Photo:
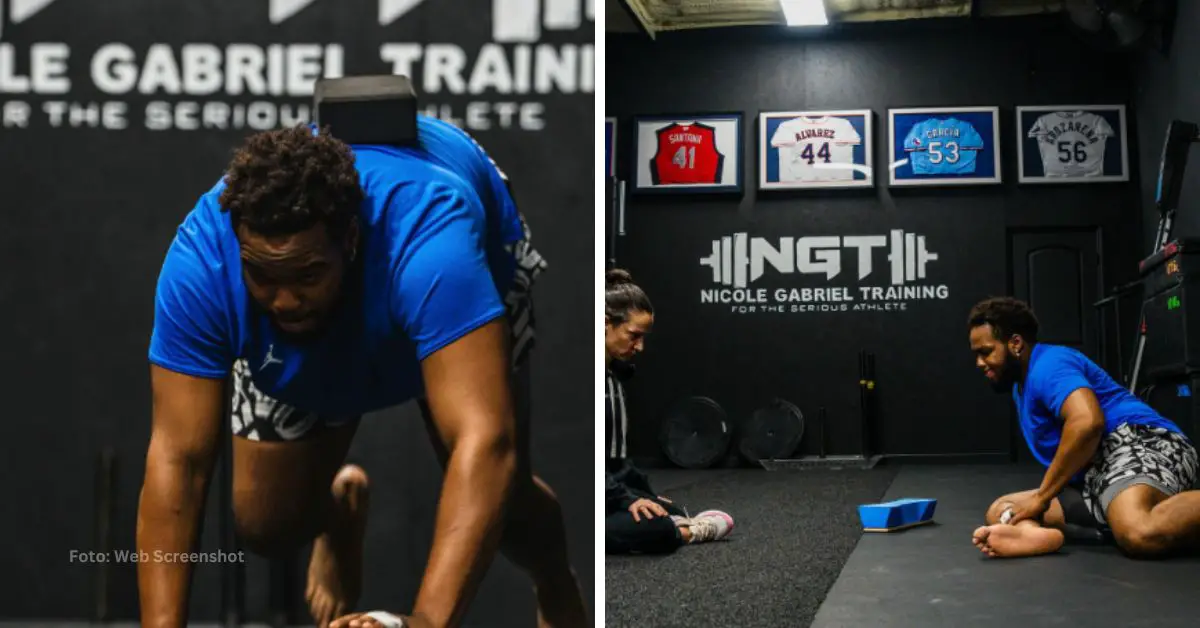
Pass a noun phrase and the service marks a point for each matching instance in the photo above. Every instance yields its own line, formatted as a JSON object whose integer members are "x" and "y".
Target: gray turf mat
{"x": 933, "y": 575}
{"x": 794, "y": 530}
{"x": 672, "y": 480}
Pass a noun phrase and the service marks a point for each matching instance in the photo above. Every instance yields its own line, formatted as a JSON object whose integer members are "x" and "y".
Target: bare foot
{"x": 335, "y": 570}
{"x": 1007, "y": 541}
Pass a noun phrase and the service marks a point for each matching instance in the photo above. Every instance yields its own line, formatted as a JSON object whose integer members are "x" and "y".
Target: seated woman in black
{"x": 636, "y": 519}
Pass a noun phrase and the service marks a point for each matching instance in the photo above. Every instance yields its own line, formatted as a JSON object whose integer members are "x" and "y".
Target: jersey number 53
{"x": 949, "y": 155}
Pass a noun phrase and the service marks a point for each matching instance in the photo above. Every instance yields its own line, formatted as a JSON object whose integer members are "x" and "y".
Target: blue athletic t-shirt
{"x": 436, "y": 221}
{"x": 1054, "y": 373}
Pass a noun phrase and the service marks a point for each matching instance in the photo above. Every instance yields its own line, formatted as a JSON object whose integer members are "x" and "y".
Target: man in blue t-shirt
{"x": 1114, "y": 465}
{"x": 328, "y": 281}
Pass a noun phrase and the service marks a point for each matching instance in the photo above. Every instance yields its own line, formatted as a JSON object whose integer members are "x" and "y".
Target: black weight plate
{"x": 773, "y": 432}
{"x": 695, "y": 433}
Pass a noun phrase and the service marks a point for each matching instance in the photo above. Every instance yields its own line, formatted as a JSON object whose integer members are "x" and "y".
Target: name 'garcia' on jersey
{"x": 943, "y": 131}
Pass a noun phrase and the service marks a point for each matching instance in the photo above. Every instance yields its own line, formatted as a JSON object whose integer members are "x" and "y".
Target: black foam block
{"x": 379, "y": 109}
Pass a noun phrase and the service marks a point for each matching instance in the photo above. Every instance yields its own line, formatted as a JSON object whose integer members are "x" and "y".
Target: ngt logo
{"x": 18, "y": 11}
{"x": 513, "y": 21}
{"x": 738, "y": 260}
{"x": 495, "y": 83}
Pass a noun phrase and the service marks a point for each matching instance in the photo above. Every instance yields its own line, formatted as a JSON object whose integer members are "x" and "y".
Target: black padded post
{"x": 106, "y": 480}
{"x": 1180, "y": 136}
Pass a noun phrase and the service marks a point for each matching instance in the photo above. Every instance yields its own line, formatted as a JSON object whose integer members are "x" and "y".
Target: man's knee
{"x": 544, "y": 491}
{"x": 532, "y": 498}
{"x": 271, "y": 529}
{"x": 996, "y": 510}
{"x": 534, "y": 533}
{"x": 1142, "y": 539}
{"x": 351, "y": 486}
{"x": 270, "y": 526}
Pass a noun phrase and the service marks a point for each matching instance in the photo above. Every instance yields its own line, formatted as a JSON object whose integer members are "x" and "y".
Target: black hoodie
{"x": 622, "y": 479}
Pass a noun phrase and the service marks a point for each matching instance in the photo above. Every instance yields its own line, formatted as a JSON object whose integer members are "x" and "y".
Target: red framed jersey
{"x": 686, "y": 154}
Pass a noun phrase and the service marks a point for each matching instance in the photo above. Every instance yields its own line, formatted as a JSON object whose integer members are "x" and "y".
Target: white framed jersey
{"x": 1072, "y": 143}
{"x": 829, "y": 149}
{"x": 812, "y": 148}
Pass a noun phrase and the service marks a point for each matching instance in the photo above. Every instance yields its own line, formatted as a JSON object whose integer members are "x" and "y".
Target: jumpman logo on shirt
{"x": 270, "y": 359}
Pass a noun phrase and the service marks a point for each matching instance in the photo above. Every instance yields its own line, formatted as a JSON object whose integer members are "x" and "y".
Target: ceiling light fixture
{"x": 804, "y": 12}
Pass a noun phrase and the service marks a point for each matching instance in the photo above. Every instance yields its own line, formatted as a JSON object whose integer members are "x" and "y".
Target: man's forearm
{"x": 479, "y": 477}
{"x": 172, "y": 501}
{"x": 1080, "y": 440}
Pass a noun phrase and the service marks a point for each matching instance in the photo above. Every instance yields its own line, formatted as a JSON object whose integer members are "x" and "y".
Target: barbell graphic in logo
{"x": 513, "y": 21}
{"x": 738, "y": 260}
{"x": 17, "y": 11}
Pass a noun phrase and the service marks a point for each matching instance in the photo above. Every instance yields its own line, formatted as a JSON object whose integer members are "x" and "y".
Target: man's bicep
{"x": 443, "y": 286}
{"x": 1060, "y": 381}
{"x": 1054, "y": 392}
{"x": 187, "y": 413}
{"x": 467, "y": 386}
{"x": 1082, "y": 406}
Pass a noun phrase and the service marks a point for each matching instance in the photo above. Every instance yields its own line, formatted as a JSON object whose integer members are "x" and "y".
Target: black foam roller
{"x": 377, "y": 109}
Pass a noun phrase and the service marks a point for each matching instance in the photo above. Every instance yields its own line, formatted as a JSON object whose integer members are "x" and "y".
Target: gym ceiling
{"x": 656, "y": 16}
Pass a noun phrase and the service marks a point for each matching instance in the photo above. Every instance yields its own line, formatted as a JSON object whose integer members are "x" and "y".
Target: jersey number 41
{"x": 685, "y": 157}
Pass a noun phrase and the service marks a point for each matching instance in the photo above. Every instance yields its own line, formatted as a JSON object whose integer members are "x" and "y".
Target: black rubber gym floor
{"x": 798, "y": 558}
{"x": 934, "y": 576}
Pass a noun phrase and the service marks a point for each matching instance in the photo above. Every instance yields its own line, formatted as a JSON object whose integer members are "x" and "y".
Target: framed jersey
{"x": 1072, "y": 144}
{"x": 688, "y": 153}
{"x": 610, "y": 148}
{"x": 944, "y": 146}
{"x": 814, "y": 149}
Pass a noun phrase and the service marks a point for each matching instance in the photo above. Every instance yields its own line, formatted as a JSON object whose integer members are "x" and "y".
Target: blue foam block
{"x": 898, "y": 514}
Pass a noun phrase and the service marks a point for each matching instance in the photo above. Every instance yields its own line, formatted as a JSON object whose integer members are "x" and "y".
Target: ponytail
{"x": 622, "y": 297}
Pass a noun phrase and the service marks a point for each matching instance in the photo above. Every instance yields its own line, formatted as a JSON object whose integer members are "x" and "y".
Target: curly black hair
{"x": 1007, "y": 316}
{"x": 289, "y": 180}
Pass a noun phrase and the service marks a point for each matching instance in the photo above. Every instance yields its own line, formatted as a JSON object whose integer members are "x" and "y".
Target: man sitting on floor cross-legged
{"x": 1113, "y": 463}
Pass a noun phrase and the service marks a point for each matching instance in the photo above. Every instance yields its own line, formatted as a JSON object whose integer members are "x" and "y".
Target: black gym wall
{"x": 1167, "y": 90}
{"x": 932, "y": 399}
{"x": 93, "y": 194}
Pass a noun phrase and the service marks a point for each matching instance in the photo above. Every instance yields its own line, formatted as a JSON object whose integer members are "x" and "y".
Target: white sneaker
{"x": 710, "y": 525}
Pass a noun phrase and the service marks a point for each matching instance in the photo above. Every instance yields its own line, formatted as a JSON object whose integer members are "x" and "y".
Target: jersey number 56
{"x": 1066, "y": 151}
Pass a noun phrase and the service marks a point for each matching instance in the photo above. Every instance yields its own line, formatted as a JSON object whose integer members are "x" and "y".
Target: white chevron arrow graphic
{"x": 392, "y": 10}
{"x": 21, "y": 10}
{"x": 282, "y": 10}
